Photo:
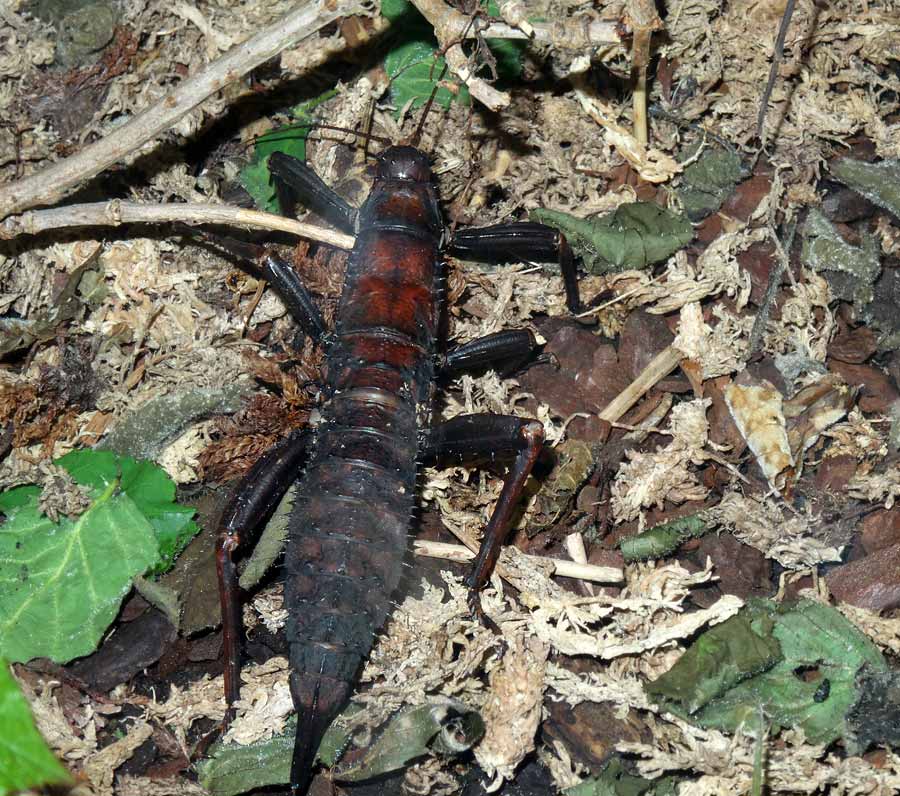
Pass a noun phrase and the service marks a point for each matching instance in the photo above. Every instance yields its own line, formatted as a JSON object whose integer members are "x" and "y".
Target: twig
{"x": 642, "y": 17}
{"x": 659, "y": 367}
{"x": 55, "y": 182}
{"x": 565, "y": 569}
{"x": 777, "y": 57}
{"x": 576, "y": 551}
{"x": 449, "y": 36}
{"x": 116, "y": 212}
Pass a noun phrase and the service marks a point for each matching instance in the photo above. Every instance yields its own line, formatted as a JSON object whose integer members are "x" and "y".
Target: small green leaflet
{"x": 632, "y": 236}
{"x": 414, "y": 69}
{"x": 291, "y": 140}
{"x": 662, "y": 540}
{"x": 25, "y": 761}
{"x": 61, "y": 584}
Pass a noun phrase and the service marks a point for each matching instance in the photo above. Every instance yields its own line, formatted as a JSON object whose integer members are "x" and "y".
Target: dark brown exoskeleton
{"x": 357, "y": 468}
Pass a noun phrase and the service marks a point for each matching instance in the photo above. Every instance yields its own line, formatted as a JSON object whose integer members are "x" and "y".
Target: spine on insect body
{"x": 351, "y": 516}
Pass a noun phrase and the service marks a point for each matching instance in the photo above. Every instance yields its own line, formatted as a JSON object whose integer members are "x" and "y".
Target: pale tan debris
{"x": 648, "y": 479}
{"x": 512, "y": 709}
{"x": 758, "y": 414}
{"x": 100, "y": 767}
{"x": 788, "y": 537}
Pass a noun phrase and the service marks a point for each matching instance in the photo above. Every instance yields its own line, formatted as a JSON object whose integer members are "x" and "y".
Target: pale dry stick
{"x": 457, "y": 63}
{"x": 116, "y": 212}
{"x": 658, "y": 368}
{"x": 576, "y": 551}
{"x": 641, "y": 16}
{"x": 565, "y": 569}
{"x": 60, "y": 179}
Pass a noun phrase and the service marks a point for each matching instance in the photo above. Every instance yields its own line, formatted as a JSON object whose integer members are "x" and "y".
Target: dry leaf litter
{"x": 164, "y": 316}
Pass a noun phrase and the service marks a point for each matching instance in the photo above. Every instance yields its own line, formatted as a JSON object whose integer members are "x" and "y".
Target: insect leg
{"x": 521, "y": 241}
{"x": 308, "y": 187}
{"x": 282, "y": 277}
{"x": 257, "y": 495}
{"x": 512, "y": 347}
{"x": 486, "y": 436}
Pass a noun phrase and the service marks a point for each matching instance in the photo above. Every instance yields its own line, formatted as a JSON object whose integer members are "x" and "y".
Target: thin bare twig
{"x": 116, "y": 212}
{"x": 451, "y": 26}
{"x": 55, "y": 182}
{"x": 642, "y": 17}
{"x": 777, "y": 57}
{"x": 658, "y": 368}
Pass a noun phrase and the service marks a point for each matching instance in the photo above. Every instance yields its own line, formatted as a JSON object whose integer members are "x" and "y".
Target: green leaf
{"x": 813, "y": 684}
{"x": 508, "y": 52}
{"x": 446, "y": 727}
{"x": 152, "y": 491}
{"x": 662, "y": 540}
{"x": 25, "y": 761}
{"x": 878, "y": 182}
{"x": 143, "y": 432}
{"x": 415, "y": 68}
{"x": 632, "y": 236}
{"x": 722, "y": 657}
{"x": 851, "y": 271}
{"x": 290, "y": 140}
{"x": 396, "y": 9}
{"x": 61, "y": 584}
{"x": 709, "y": 181}
{"x": 233, "y": 769}
{"x": 410, "y": 735}
{"x": 255, "y": 176}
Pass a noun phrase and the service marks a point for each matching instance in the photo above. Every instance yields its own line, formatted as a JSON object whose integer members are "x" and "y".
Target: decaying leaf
{"x": 851, "y": 270}
{"x": 779, "y": 432}
{"x": 753, "y": 660}
{"x": 632, "y": 236}
{"x": 757, "y": 412}
{"x": 878, "y": 182}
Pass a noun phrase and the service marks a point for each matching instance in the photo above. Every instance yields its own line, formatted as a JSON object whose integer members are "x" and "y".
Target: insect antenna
{"x": 418, "y": 133}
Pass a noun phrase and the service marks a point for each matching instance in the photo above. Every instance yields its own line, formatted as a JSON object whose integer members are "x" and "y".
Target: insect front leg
{"x": 258, "y": 494}
{"x": 486, "y": 437}
{"x": 521, "y": 241}
{"x": 302, "y": 183}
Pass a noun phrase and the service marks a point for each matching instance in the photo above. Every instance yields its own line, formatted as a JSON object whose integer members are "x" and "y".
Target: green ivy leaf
{"x": 152, "y": 491}
{"x": 25, "y": 761}
{"x": 415, "y": 68}
{"x": 801, "y": 663}
{"x": 290, "y": 140}
{"x": 61, "y": 584}
{"x": 632, "y": 236}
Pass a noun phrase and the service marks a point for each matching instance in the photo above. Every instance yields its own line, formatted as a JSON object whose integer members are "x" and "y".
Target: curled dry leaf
{"x": 779, "y": 432}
